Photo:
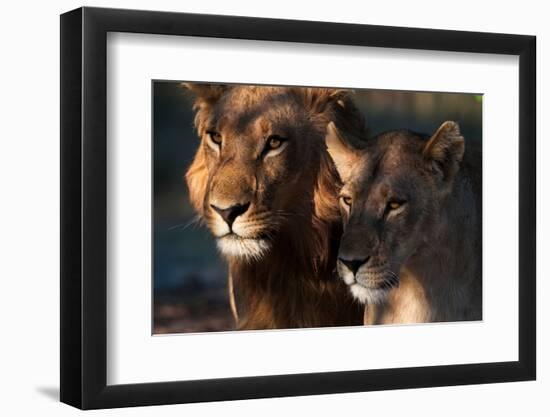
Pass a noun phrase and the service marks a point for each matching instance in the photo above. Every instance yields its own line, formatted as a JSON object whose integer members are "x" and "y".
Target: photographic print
{"x": 283, "y": 207}
{"x": 289, "y": 214}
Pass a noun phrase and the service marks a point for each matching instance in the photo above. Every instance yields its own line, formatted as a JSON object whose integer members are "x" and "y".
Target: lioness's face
{"x": 258, "y": 152}
{"x": 391, "y": 195}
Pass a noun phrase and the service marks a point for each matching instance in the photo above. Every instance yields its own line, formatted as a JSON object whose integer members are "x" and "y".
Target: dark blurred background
{"x": 190, "y": 286}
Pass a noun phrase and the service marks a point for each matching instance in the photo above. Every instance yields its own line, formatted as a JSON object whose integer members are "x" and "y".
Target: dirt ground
{"x": 177, "y": 313}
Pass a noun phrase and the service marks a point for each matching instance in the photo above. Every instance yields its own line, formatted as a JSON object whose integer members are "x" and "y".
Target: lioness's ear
{"x": 341, "y": 152}
{"x": 445, "y": 150}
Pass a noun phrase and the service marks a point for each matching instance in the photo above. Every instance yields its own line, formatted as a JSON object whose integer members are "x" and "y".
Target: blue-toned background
{"x": 189, "y": 277}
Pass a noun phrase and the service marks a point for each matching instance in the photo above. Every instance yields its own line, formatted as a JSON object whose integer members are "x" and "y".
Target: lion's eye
{"x": 274, "y": 145}
{"x": 346, "y": 200}
{"x": 215, "y": 137}
{"x": 274, "y": 142}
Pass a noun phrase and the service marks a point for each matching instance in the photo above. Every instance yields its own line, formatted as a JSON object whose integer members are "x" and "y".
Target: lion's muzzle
{"x": 229, "y": 214}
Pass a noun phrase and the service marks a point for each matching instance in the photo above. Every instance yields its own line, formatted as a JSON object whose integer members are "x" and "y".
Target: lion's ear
{"x": 206, "y": 93}
{"x": 445, "y": 150}
{"x": 206, "y": 97}
{"x": 335, "y": 105}
{"x": 341, "y": 152}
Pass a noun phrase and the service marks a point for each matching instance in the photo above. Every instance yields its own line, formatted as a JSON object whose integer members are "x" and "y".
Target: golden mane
{"x": 294, "y": 285}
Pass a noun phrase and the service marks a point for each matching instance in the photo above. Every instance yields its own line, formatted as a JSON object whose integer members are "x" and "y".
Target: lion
{"x": 264, "y": 184}
{"x": 411, "y": 204}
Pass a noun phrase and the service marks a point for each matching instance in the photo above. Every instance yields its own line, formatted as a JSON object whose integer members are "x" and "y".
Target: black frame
{"x": 83, "y": 207}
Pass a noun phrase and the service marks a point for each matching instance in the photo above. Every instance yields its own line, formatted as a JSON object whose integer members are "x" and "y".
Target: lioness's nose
{"x": 229, "y": 214}
{"x": 354, "y": 264}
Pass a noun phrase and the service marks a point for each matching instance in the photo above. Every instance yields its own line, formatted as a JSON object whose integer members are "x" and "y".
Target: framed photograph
{"x": 258, "y": 208}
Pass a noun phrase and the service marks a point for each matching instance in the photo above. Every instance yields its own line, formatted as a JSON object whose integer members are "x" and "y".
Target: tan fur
{"x": 408, "y": 304}
{"x": 421, "y": 260}
{"x": 281, "y": 252}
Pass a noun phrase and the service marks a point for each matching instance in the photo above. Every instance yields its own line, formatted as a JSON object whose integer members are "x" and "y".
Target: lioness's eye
{"x": 394, "y": 205}
{"x": 215, "y": 137}
{"x": 346, "y": 200}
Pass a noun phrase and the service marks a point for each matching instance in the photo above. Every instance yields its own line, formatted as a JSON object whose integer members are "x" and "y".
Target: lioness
{"x": 264, "y": 183}
{"x": 411, "y": 203}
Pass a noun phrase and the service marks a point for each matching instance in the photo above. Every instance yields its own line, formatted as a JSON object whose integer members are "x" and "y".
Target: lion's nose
{"x": 229, "y": 214}
{"x": 354, "y": 264}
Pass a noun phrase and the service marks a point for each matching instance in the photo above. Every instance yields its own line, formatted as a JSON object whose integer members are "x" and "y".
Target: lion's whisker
{"x": 196, "y": 220}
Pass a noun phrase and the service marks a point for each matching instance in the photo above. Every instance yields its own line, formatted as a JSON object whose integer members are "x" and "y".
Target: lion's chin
{"x": 246, "y": 248}
{"x": 369, "y": 295}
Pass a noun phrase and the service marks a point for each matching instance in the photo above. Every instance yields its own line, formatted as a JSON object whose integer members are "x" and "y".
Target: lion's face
{"x": 254, "y": 163}
{"x": 255, "y": 167}
{"x": 392, "y": 192}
